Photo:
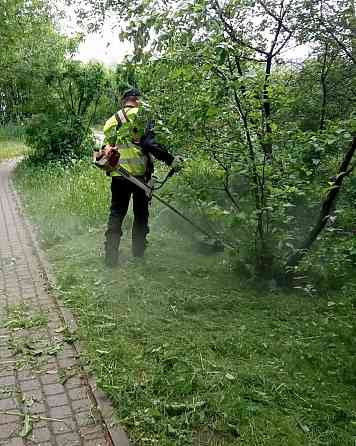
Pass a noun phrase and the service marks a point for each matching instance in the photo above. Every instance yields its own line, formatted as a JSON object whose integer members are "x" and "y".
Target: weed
{"x": 67, "y": 373}
{"x": 68, "y": 336}
{"x": 11, "y": 142}
{"x": 7, "y": 391}
{"x": 20, "y": 316}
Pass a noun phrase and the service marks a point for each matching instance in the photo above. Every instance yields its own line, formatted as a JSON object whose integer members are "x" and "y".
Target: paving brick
{"x": 25, "y": 374}
{"x": 81, "y": 405}
{"x": 77, "y": 394}
{"x": 74, "y": 382}
{"x": 6, "y": 369}
{"x": 67, "y": 362}
{"x": 53, "y": 389}
{"x": 6, "y": 419}
{"x": 8, "y": 404}
{"x": 70, "y": 439}
{"x": 91, "y": 432}
{"x": 50, "y": 378}
{"x": 52, "y": 362}
{"x": 39, "y": 435}
{"x": 7, "y": 380}
{"x": 57, "y": 400}
{"x": 6, "y": 353}
{"x": 8, "y": 430}
{"x": 38, "y": 407}
{"x": 97, "y": 442}
{"x": 46, "y": 443}
{"x": 60, "y": 412}
{"x": 64, "y": 426}
{"x": 68, "y": 352}
{"x": 13, "y": 442}
{"x": 84, "y": 419}
{"x": 42, "y": 423}
{"x": 30, "y": 384}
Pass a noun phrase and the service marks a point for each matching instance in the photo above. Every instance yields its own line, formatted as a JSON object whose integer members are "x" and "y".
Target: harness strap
{"x": 121, "y": 118}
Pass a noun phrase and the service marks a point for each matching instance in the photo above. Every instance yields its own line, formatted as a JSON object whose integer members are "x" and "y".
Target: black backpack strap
{"x": 125, "y": 114}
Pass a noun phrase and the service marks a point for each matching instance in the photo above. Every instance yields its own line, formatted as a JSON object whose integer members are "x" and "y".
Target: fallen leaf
{"x": 103, "y": 352}
{"x": 27, "y": 426}
{"x": 230, "y": 377}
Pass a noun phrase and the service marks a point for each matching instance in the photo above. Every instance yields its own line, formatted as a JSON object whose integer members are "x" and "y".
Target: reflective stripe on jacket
{"x": 131, "y": 156}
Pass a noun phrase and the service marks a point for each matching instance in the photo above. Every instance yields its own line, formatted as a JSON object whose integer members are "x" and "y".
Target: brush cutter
{"x": 216, "y": 244}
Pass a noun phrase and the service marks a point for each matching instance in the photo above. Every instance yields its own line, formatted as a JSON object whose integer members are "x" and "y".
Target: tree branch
{"x": 275, "y": 17}
{"x": 323, "y": 76}
{"x": 326, "y": 207}
{"x": 336, "y": 39}
{"x": 226, "y": 181}
{"x": 229, "y": 29}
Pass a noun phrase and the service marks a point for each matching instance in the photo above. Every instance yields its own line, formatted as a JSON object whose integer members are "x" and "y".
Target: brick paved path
{"x": 34, "y": 355}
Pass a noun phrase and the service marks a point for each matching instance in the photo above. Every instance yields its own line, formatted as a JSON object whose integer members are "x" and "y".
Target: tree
{"x": 31, "y": 50}
{"x": 62, "y": 127}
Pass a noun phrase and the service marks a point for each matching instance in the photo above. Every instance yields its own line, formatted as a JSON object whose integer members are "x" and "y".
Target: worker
{"x": 130, "y": 132}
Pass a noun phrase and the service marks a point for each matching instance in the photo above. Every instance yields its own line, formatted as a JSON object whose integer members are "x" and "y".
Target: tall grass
{"x": 76, "y": 197}
{"x": 11, "y": 131}
{"x": 11, "y": 142}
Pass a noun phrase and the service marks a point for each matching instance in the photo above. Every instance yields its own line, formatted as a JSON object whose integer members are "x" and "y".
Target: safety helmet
{"x": 131, "y": 92}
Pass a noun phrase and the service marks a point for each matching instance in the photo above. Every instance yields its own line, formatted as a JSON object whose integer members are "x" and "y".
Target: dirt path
{"x": 40, "y": 378}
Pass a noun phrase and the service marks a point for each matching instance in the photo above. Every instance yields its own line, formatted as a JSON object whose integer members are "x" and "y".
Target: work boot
{"x": 112, "y": 244}
{"x": 138, "y": 248}
{"x": 139, "y": 233}
{"x": 138, "y": 253}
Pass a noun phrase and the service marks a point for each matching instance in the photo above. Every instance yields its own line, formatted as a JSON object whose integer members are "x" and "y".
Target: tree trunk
{"x": 323, "y": 76}
{"x": 326, "y": 208}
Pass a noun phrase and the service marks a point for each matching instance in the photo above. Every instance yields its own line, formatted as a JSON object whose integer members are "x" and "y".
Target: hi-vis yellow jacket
{"x": 123, "y": 129}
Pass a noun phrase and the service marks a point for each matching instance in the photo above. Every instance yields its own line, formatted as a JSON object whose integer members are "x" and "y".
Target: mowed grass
{"x": 11, "y": 142}
{"x": 189, "y": 353}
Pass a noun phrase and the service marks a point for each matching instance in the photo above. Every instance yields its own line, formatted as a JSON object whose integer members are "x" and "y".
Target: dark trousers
{"x": 121, "y": 191}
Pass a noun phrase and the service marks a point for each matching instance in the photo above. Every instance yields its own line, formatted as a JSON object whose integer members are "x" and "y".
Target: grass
{"x": 187, "y": 351}
{"x": 20, "y": 316}
{"x": 11, "y": 142}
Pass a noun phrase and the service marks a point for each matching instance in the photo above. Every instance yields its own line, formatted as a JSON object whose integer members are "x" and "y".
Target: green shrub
{"x": 58, "y": 137}
{"x": 62, "y": 130}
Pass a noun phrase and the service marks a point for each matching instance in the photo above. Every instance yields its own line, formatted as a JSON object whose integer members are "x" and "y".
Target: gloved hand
{"x": 177, "y": 163}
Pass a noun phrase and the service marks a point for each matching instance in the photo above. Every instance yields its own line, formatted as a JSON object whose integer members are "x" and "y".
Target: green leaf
{"x": 27, "y": 426}
{"x": 222, "y": 54}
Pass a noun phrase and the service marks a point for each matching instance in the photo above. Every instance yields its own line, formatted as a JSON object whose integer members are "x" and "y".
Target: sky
{"x": 106, "y": 46}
